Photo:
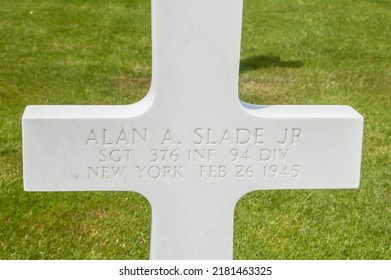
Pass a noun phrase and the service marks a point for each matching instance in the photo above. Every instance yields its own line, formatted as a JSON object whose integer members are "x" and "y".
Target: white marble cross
{"x": 191, "y": 147}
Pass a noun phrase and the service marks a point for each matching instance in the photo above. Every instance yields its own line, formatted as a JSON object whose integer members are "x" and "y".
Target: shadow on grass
{"x": 263, "y": 61}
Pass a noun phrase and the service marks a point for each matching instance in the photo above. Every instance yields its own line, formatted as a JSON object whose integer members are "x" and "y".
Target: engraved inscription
{"x": 201, "y": 155}
{"x": 291, "y": 136}
{"x": 115, "y": 155}
{"x": 206, "y": 153}
{"x": 105, "y": 172}
{"x": 124, "y": 137}
{"x": 213, "y": 171}
{"x": 160, "y": 172}
{"x": 239, "y": 136}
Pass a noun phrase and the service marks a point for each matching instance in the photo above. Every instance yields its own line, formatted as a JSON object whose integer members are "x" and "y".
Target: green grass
{"x": 293, "y": 52}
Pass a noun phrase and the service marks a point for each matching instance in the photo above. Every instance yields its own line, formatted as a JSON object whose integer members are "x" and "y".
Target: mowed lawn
{"x": 293, "y": 52}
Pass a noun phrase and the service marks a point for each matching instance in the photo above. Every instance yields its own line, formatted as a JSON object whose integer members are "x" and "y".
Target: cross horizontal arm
{"x": 68, "y": 147}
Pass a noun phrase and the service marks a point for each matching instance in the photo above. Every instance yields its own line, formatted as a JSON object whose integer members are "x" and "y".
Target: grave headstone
{"x": 191, "y": 147}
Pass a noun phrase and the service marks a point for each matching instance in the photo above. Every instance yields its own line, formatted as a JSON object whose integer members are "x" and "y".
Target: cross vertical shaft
{"x": 188, "y": 226}
{"x": 196, "y": 52}
{"x": 196, "y": 55}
